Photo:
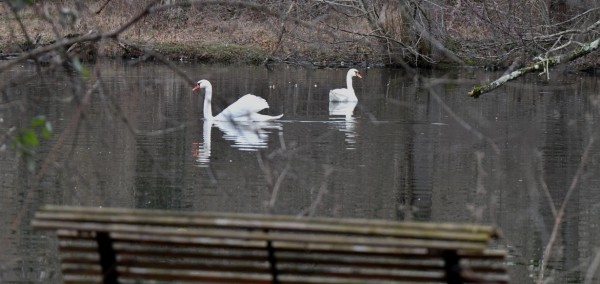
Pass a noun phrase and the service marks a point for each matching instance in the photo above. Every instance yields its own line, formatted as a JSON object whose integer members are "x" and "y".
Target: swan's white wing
{"x": 342, "y": 95}
{"x": 243, "y": 107}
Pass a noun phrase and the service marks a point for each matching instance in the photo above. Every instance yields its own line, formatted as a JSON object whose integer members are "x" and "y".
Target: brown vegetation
{"x": 416, "y": 33}
{"x": 221, "y": 33}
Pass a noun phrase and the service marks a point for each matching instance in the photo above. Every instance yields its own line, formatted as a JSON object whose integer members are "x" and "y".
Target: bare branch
{"x": 102, "y": 7}
{"x": 542, "y": 65}
{"x": 589, "y": 275}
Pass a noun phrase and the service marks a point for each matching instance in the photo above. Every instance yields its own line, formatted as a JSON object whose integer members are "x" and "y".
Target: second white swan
{"x": 245, "y": 108}
{"x": 347, "y": 94}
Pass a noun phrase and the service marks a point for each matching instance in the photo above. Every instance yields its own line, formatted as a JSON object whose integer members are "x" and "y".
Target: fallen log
{"x": 543, "y": 64}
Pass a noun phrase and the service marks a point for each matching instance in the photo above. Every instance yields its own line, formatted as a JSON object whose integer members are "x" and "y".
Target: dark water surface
{"x": 409, "y": 150}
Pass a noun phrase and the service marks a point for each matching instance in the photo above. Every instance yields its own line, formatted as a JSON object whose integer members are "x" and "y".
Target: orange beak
{"x": 196, "y": 87}
{"x": 358, "y": 74}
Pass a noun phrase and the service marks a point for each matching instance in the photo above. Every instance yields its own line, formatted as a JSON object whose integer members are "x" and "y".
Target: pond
{"x": 412, "y": 148}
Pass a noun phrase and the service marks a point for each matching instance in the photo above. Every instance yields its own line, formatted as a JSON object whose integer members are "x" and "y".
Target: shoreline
{"x": 187, "y": 52}
{"x": 224, "y": 53}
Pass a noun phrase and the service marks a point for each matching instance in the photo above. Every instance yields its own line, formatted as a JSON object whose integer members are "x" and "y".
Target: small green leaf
{"x": 85, "y": 72}
{"x": 47, "y": 130}
{"x": 29, "y": 138}
{"x": 38, "y": 121}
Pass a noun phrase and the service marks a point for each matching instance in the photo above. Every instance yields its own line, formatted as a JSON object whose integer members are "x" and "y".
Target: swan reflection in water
{"x": 247, "y": 136}
{"x": 342, "y": 117}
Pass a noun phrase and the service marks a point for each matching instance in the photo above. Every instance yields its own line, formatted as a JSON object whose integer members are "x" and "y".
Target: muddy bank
{"x": 188, "y": 52}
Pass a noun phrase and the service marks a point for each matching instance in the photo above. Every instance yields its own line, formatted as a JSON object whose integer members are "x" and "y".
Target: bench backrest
{"x": 107, "y": 245}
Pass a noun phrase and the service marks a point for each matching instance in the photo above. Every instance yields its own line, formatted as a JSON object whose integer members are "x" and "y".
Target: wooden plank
{"x": 419, "y": 277}
{"x": 127, "y": 240}
{"x": 284, "y": 247}
{"x": 356, "y": 273}
{"x": 197, "y": 276}
{"x": 74, "y": 279}
{"x": 296, "y": 226}
{"x": 355, "y": 242}
{"x": 494, "y": 254}
{"x": 252, "y": 267}
{"x": 366, "y": 262}
{"x": 119, "y": 212}
{"x": 472, "y": 277}
{"x": 81, "y": 271}
{"x": 320, "y": 259}
{"x": 126, "y": 257}
{"x": 123, "y": 253}
{"x": 374, "y": 262}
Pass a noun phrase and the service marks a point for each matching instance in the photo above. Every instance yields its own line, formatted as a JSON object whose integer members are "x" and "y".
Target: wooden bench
{"x": 109, "y": 245}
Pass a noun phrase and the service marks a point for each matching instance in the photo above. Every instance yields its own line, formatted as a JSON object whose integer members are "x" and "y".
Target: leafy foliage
{"x": 28, "y": 139}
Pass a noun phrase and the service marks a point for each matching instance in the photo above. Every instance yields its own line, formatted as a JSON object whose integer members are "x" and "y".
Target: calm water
{"x": 409, "y": 150}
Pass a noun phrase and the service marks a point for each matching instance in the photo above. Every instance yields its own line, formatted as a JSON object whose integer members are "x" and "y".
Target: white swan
{"x": 245, "y": 108}
{"x": 347, "y": 94}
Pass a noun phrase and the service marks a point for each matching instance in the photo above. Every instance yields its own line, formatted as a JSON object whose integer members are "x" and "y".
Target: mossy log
{"x": 542, "y": 65}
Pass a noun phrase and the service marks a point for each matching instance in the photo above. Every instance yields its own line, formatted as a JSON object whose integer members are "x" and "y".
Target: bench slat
{"x": 356, "y": 242}
{"x": 297, "y": 226}
{"x": 118, "y": 213}
{"x": 216, "y": 277}
{"x": 489, "y": 254}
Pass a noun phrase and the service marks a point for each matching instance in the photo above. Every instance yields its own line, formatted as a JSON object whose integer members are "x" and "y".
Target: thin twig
{"x": 277, "y": 186}
{"x": 546, "y": 191}
{"x": 561, "y": 211}
{"x": 310, "y": 210}
{"x": 589, "y": 275}
{"x": 102, "y": 7}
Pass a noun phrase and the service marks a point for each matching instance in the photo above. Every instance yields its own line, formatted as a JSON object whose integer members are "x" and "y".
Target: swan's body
{"x": 342, "y": 108}
{"x": 347, "y": 94}
{"x": 245, "y": 108}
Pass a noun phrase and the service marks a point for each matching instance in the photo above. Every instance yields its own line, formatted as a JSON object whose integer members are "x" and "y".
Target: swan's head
{"x": 354, "y": 72}
{"x": 202, "y": 84}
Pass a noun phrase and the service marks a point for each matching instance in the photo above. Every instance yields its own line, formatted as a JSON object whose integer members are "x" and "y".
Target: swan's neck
{"x": 207, "y": 105}
{"x": 349, "y": 81}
